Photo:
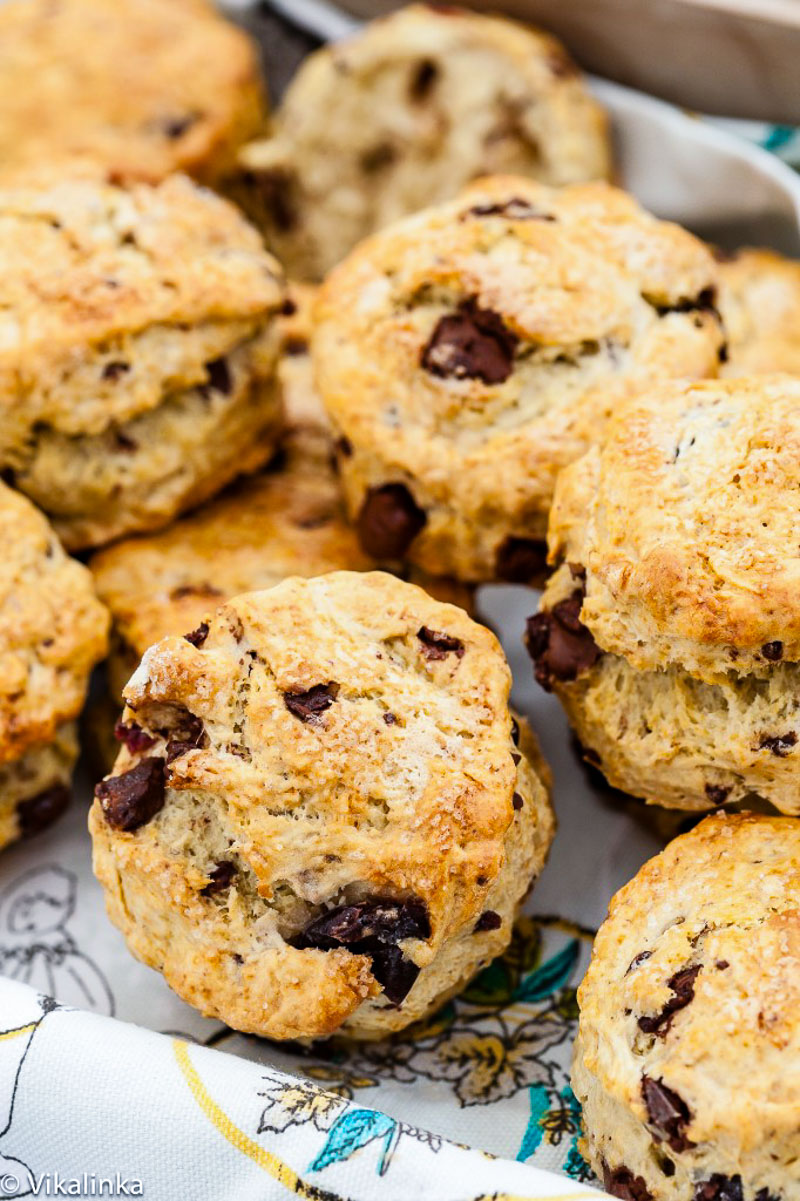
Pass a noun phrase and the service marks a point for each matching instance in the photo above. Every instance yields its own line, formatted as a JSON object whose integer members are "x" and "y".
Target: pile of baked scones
{"x": 291, "y": 386}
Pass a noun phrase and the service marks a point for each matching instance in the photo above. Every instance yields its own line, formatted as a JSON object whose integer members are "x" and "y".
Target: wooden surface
{"x": 740, "y": 58}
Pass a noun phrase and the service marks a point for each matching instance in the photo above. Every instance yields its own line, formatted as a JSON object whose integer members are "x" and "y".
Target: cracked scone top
{"x": 687, "y": 1062}
{"x": 52, "y": 632}
{"x": 404, "y": 113}
{"x": 138, "y": 347}
{"x": 325, "y": 815}
{"x": 467, "y": 353}
{"x": 671, "y": 629}
{"x": 138, "y": 88}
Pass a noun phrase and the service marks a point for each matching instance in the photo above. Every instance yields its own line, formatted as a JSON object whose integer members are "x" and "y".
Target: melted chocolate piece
{"x": 489, "y": 920}
{"x": 521, "y": 560}
{"x": 373, "y": 928}
{"x": 717, "y": 793}
{"x": 621, "y": 1182}
{"x": 38, "y": 812}
{"x": 721, "y": 1188}
{"x": 560, "y": 645}
{"x": 517, "y": 801}
{"x": 134, "y": 798}
{"x": 220, "y": 878}
{"x": 773, "y": 651}
{"x": 197, "y": 637}
{"x": 312, "y": 703}
{"x": 779, "y": 744}
{"x": 682, "y": 985}
{"x": 115, "y": 370}
{"x": 705, "y": 301}
{"x": 423, "y": 79}
{"x": 668, "y": 1113}
{"x": 472, "y": 343}
{"x": 638, "y": 959}
{"x": 219, "y": 376}
{"x": 439, "y": 646}
{"x": 515, "y": 209}
{"x": 389, "y": 521}
{"x": 133, "y": 736}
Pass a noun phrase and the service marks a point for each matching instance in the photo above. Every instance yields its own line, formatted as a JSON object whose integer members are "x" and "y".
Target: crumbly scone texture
{"x": 139, "y": 346}
{"x": 469, "y": 352}
{"x": 759, "y": 300}
{"x": 53, "y": 630}
{"x": 685, "y": 522}
{"x": 35, "y": 788}
{"x": 687, "y": 1063}
{"x": 334, "y": 754}
{"x": 137, "y": 88}
{"x": 403, "y": 114}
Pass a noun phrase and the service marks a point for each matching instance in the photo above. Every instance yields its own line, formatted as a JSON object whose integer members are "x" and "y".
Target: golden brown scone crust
{"x": 396, "y": 783}
{"x": 134, "y": 88}
{"x": 138, "y": 354}
{"x": 687, "y": 1062}
{"x": 469, "y": 352}
{"x": 759, "y": 300}
{"x": 404, "y": 113}
{"x": 686, "y": 523}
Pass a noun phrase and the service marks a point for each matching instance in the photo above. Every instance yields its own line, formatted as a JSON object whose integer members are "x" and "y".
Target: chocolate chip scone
{"x": 325, "y": 815}
{"x": 403, "y": 114}
{"x": 139, "y": 351}
{"x": 687, "y": 1062}
{"x": 671, "y": 628}
{"x": 471, "y": 351}
{"x": 139, "y": 88}
{"x": 53, "y": 630}
{"x": 759, "y": 300}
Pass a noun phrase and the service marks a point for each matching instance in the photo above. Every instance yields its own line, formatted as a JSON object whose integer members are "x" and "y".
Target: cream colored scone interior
{"x": 403, "y": 114}
{"x": 687, "y": 1062}
{"x": 671, "y": 628}
{"x": 759, "y": 300}
{"x": 138, "y": 88}
{"x": 324, "y": 816}
{"x": 53, "y": 630}
{"x": 468, "y": 353}
{"x": 140, "y": 341}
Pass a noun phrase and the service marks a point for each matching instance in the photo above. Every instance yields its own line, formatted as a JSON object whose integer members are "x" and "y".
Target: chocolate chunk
{"x": 682, "y": 986}
{"x": 515, "y": 731}
{"x": 515, "y": 209}
{"x": 115, "y": 370}
{"x": 123, "y": 442}
{"x": 521, "y": 560}
{"x": 220, "y": 878}
{"x": 559, "y": 643}
{"x": 390, "y": 719}
{"x": 133, "y": 736}
{"x": 181, "y": 746}
{"x": 472, "y": 343}
{"x": 779, "y": 744}
{"x": 704, "y": 301}
{"x": 309, "y": 705}
{"x": 275, "y": 190}
{"x": 197, "y": 637}
{"x": 723, "y": 1188}
{"x": 133, "y": 799}
{"x": 295, "y": 346}
{"x": 668, "y": 1113}
{"x": 176, "y": 127}
{"x": 423, "y": 80}
{"x": 389, "y": 521}
{"x": 184, "y": 590}
{"x": 621, "y": 1182}
{"x": 40, "y": 811}
{"x": 638, "y": 959}
{"x": 373, "y": 928}
{"x": 517, "y": 801}
{"x": 377, "y": 158}
{"x": 717, "y": 793}
{"x": 489, "y": 920}
{"x": 219, "y": 376}
{"x": 772, "y": 651}
{"x": 344, "y": 447}
{"x": 722, "y": 965}
{"x": 439, "y": 646}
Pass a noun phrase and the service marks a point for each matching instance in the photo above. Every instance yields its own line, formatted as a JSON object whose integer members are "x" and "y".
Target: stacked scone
{"x": 324, "y": 814}
{"x": 470, "y": 352}
{"x": 403, "y": 114}
{"x": 52, "y": 632}
{"x": 671, "y": 628}
{"x": 140, "y": 349}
